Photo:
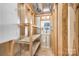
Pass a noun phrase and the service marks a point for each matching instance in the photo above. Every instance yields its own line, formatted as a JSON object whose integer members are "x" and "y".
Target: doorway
{"x": 45, "y": 34}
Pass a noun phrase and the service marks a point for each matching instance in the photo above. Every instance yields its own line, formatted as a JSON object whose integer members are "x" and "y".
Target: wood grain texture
{"x": 6, "y": 48}
{"x": 54, "y": 32}
{"x": 76, "y": 37}
{"x": 21, "y": 12}
{"x": 64, "y": 29}
{"x": 59, "y": 29}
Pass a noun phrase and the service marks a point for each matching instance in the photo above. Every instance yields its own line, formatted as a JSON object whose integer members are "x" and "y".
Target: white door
{"x": 45, "y": 34}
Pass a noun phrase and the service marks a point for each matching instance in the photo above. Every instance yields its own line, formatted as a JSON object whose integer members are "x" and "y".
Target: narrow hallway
{"x": 39, "y": 29}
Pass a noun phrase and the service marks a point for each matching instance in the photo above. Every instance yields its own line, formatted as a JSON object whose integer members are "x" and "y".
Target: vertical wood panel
{"x": 78, "y": 29}
{"x": 60, "y": 29}
{"x": 65, "y": 29}
{"x": 22, "y": 18}
{"x": 54, "y": 32}
{"x": 6, "y": 49}
{"x": 76, "y": 38}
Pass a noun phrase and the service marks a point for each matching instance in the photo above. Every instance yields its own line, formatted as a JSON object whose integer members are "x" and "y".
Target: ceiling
{"x": 42, "y": 8}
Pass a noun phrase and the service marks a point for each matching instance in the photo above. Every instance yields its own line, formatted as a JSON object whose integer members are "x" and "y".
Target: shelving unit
{"x": 33, "y": 39}
{"x": 27, "y": 24}
{"x": 26, "y": 39}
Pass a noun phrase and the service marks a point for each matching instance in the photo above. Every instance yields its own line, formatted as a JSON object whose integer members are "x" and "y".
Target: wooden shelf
{"x": 26, "y": 40}
{"x": 35, "y": 26}
{"x": 35, "y": 47}
{"x": 23, "y": 25}
{"x": 27, "y": 24}
{"x": 34, "y": 37}
{"x": 31, "y": 29}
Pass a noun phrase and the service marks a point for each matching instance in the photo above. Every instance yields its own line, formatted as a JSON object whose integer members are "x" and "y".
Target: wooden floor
{"x": 44, "y": 52}
{"x": 40, "y": 52}
{"x": 23, "y": 53}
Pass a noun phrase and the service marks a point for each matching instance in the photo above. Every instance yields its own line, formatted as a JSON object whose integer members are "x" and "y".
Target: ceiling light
{"x": 46, "y": 10}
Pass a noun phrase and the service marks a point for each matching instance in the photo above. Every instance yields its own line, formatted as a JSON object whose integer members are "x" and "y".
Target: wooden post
{"x": 76, "y": 30}
{"x": 65, "y": 29}
{"x": 40, "y": 23}
{"x": 30, "y": 35}
{"x": 59, "y": 29}
{"x": 56, "y": 30}
{"x": 52, "y": 34}
{"x": 21, "y": 12}
{"x": 35, "y": 29}
{"x": 11, "y": 43}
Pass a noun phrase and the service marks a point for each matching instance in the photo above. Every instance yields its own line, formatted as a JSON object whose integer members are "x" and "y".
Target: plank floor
{"x": 44, "y": 52}
{"x": 40, "y": 52}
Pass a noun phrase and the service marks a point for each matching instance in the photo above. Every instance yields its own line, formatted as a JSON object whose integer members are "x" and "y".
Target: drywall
{"x": 8, "y": 22}
{"x": 9, "y": 13}
{"x": 71, "y": 18}
{"x": 9, "y": 32}
{"x": 0, "y": 15}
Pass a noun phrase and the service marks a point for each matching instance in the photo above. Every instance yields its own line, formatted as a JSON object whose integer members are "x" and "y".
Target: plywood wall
{"x": 8, "y": 22}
